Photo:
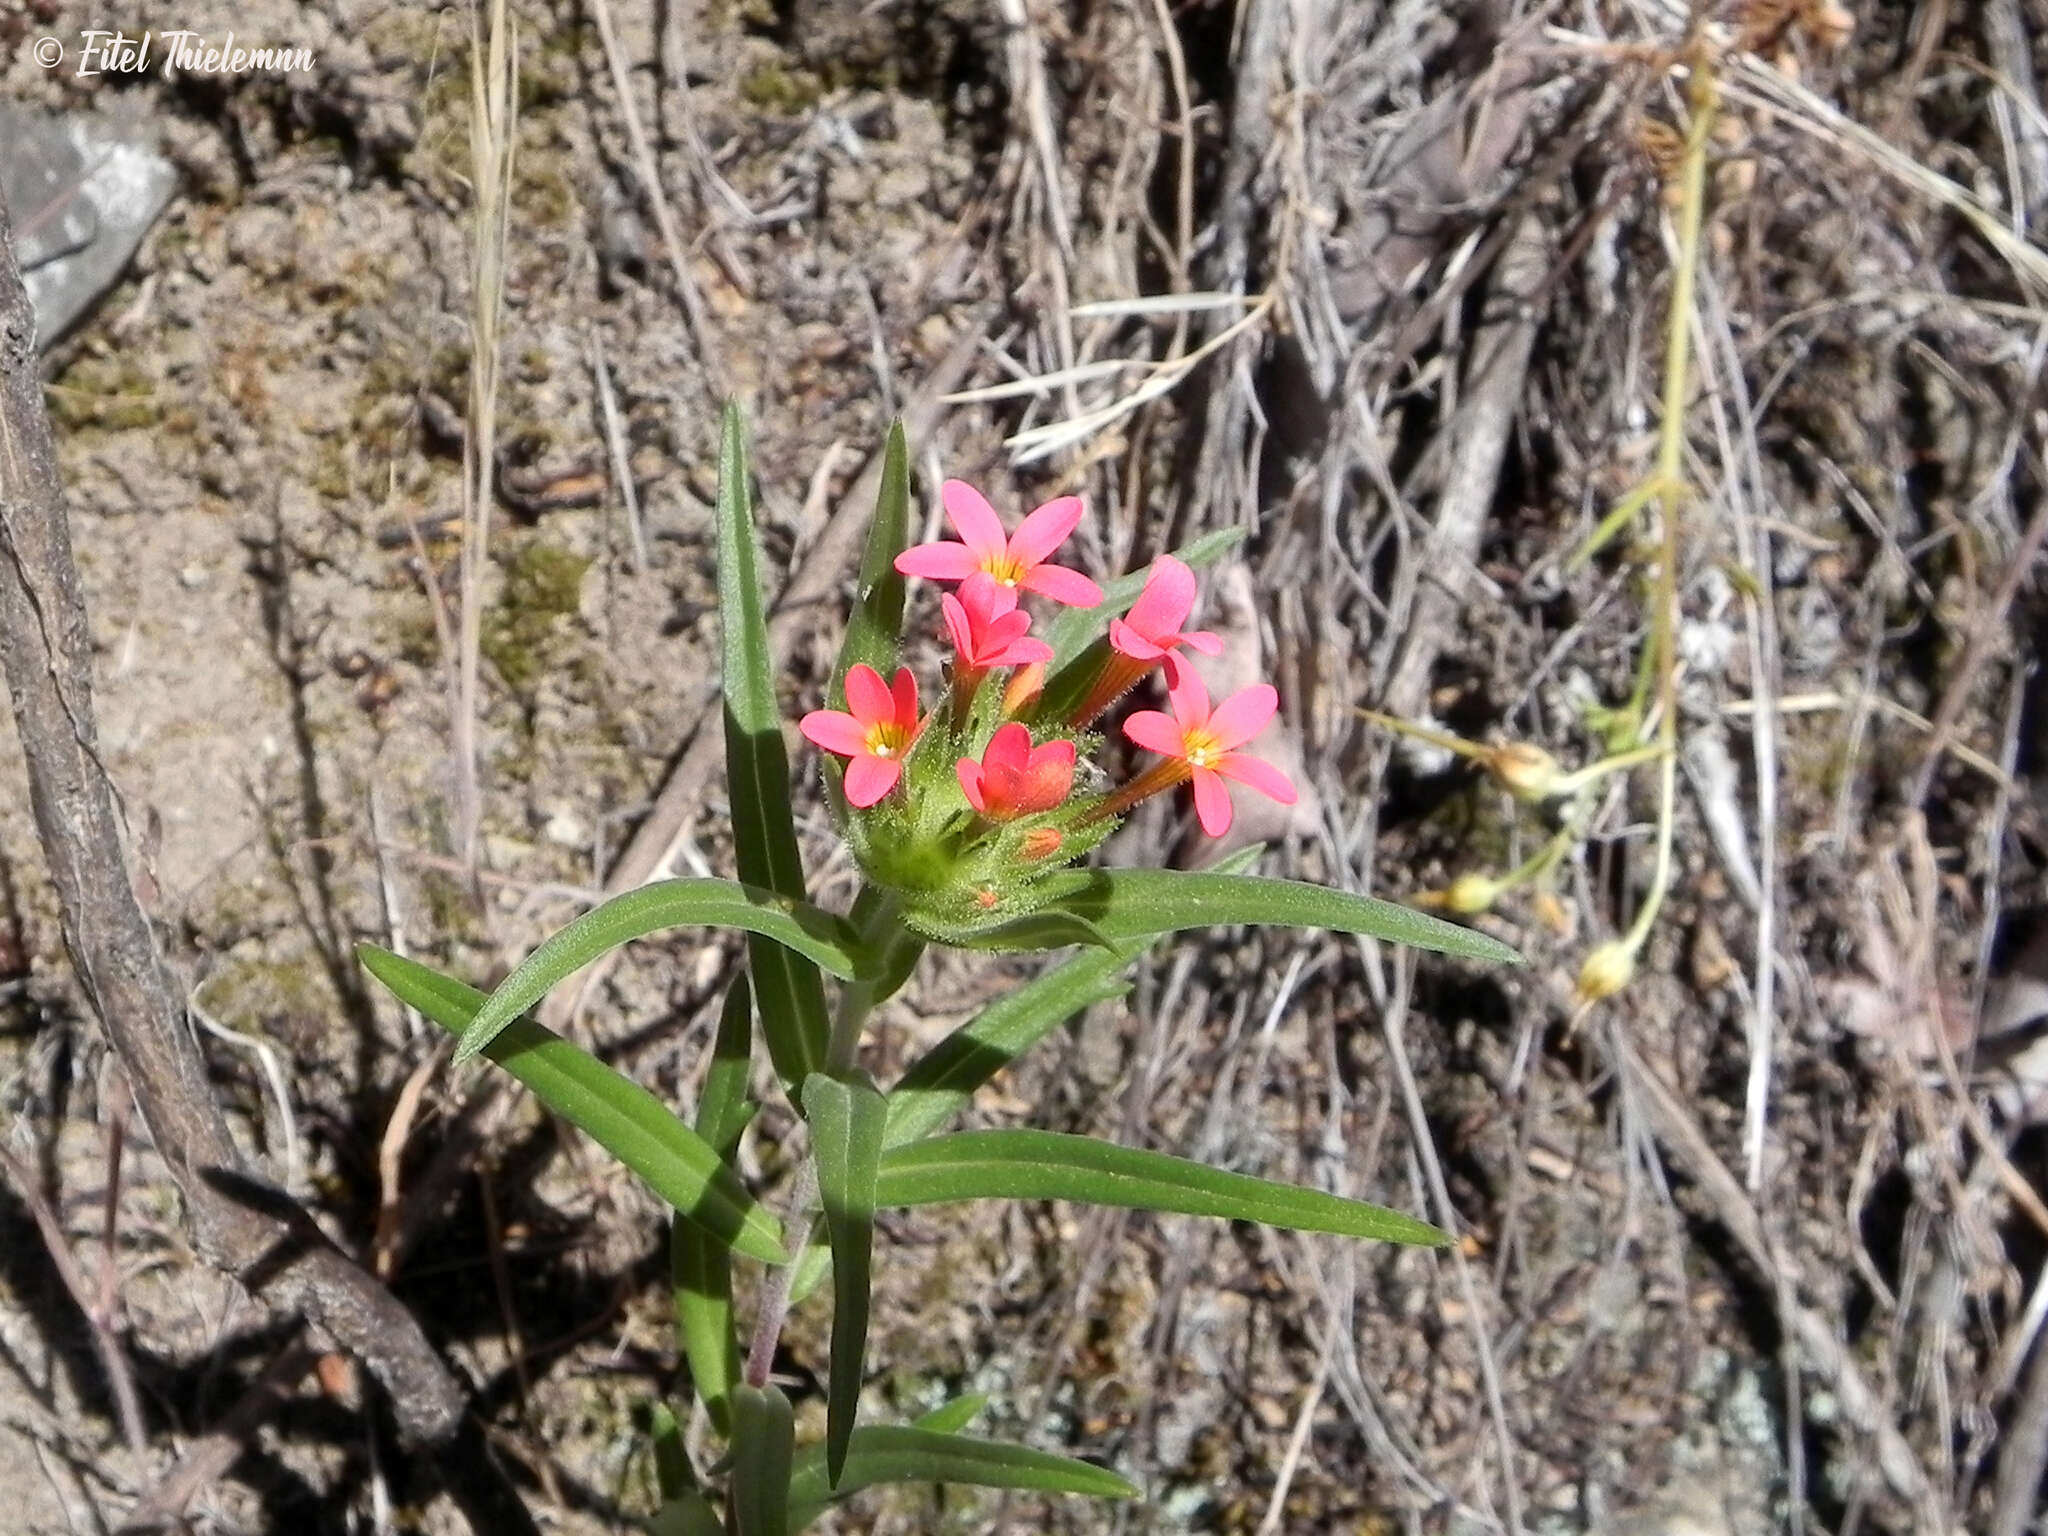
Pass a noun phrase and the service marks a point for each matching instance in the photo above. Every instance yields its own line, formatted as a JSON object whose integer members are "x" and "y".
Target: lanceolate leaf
{"x": 1138, "y": 903}
{"x": 894, "y": 1454}
{"x": 846, "y": 1120}
{"x": 951, "y": 1418}
{"x": 791, "y": 997}
{"x": 763, "y": 1448}
{"x": 673, "y": 1474}
{"x": 940, "y": 1084}
{"x": 1072, "y": 630}
{"x": 701, "y": 1270}
{"x": 776, "y": 920}
{"x": 1044, "y": 1165}
{"x": 877, "y": 617}
{"x": 686, "y": 1515}
{"x": 614, "y": 1111}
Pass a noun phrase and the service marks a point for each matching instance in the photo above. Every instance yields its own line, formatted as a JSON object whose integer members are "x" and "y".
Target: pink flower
{"x": 1016, "y": 561}
{"x": 1201, "y": 744}
{"x": 1146, "y": 636}
{"x": 988, "y": 627}
{"x": 1152, "y": 629}
{"x": 873, "y": 733}
{"x": 1015, "y": 778}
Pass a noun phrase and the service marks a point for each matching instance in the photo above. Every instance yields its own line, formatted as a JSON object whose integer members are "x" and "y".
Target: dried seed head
{"x": 1523, "y": 769}
{"x": 1608, "y": 969}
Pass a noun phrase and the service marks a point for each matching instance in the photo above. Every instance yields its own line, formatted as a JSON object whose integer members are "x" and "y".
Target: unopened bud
{"x": 1041, "y": 842}
{"x": 1469, "y": 895}
{"x": 1523, "y": 769}
{"x": 1608, "y": 969}
{"x": 1025, "y": 685}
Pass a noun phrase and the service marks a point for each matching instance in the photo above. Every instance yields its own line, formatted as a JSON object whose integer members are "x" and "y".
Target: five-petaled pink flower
{"x": 1015, "y": 561}
{"x": 873, "y": 732}
{"x": 1201, "y": 744}
{"x": 1146, "y": 636}
{"x": 1152, "y": 629}
{"x": 1015, "y": 778}
{"x": 988, "y": 628}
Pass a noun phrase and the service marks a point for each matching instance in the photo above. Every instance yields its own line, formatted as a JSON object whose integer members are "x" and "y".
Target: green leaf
{"x": 664, "y": 904}
{"x": 686, "y": 1515}
{"x": 1138, "y": 903}
{"x": 951, "y": 1418}
{"x": 941, "y": 1083}
{"x": 673, "y": 1474}
{"x": 613, "y": 1110}
{"x": 1045, "y": 1165}
{"x": 846, "y": 1120}
{"x": 1072, "y": 630}
{"x": 898, "y": 1454}
{"x": 724, "y": 1107}
{"x": 763, "y": 1449}
{"x": 877, "y": 618}
{"x": 792, "y": 998}
{"x": 1027, "y": 933}
{"x": 700, "y": 1270}
{"x": 944, "y": 1079}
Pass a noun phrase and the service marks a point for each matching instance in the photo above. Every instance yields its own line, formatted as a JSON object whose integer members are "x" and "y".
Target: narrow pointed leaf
{"x": 951, "y": 1418}
{"x": 1138, "y": 903}
{"x": 944, "y": 1079}
{"x": 673, "y": 1474}
{"x": 846, "y": 1120}
{"x": 939, "y": 1085}
{"x": 1045, "y": 1165}
{"x": 877, "y": 618}
{"x": 771, "y": 920}
{"x": 686, "y": 1515}
{"x": 1072, "y": 630}
{"x": 613, "y": 1110}
{"x": 900, "y": 1454}
{"x": 786, "y": 984}
{"x": 763, "y": 1449}
{"x": 701, "y": 1270}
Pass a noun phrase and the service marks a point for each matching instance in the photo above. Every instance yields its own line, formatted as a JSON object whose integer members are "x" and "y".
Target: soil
{"x": 261, "y": 444}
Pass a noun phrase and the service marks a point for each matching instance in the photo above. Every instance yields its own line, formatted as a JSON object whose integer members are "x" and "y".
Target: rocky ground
{"x": 1749, "y": 1247}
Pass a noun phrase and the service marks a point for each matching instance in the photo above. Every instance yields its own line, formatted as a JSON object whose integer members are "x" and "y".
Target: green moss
{"x": 248, "y": 995}
{"x": 774, "y": 87}
{"x": 105, "y": 393}
{"x": 543, "y": 585}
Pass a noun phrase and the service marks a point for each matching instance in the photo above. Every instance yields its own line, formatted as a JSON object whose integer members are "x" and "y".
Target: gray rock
{"x": 81, "y": 192}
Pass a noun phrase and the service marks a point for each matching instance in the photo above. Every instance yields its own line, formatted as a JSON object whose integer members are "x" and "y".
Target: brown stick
{"x": 239, "y": 1226}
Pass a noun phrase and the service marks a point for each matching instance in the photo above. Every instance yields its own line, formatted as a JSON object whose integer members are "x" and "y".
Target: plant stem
{"x": 774, "y": 1308}
{"x": 857, "y": 998}
{"x": 1672, "y": 490}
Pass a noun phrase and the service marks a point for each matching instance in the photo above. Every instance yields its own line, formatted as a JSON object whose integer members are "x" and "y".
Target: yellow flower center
{"x": 1202, "y": 750}
{"x": 886, "y": 739}
{"x": 1005, "y": 570}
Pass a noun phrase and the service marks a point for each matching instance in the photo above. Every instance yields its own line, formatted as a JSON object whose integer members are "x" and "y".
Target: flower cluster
{"x": 966, "y": 805}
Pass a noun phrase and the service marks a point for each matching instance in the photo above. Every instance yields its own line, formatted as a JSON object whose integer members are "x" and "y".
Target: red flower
{"x": 1014, "y": 561}
{"x": 1201, "y": 744}
{"x": 988, "y": 627}
{"x": 1151, "y": 630}
{"x": 873, "y": 733}
{"x": 1015, "y": 778}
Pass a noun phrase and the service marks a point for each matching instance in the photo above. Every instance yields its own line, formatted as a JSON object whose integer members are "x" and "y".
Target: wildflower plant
{"x": 969, "y": 812}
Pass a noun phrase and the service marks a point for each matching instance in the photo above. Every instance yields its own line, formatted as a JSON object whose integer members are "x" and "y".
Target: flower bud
{"x": 1609, "y": 968}
{"x": 1523, "y": 769}
{"x": 1041, "y": 842}
{"x": 1468, "y": 895}
{"x": 1023, "y": 690}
